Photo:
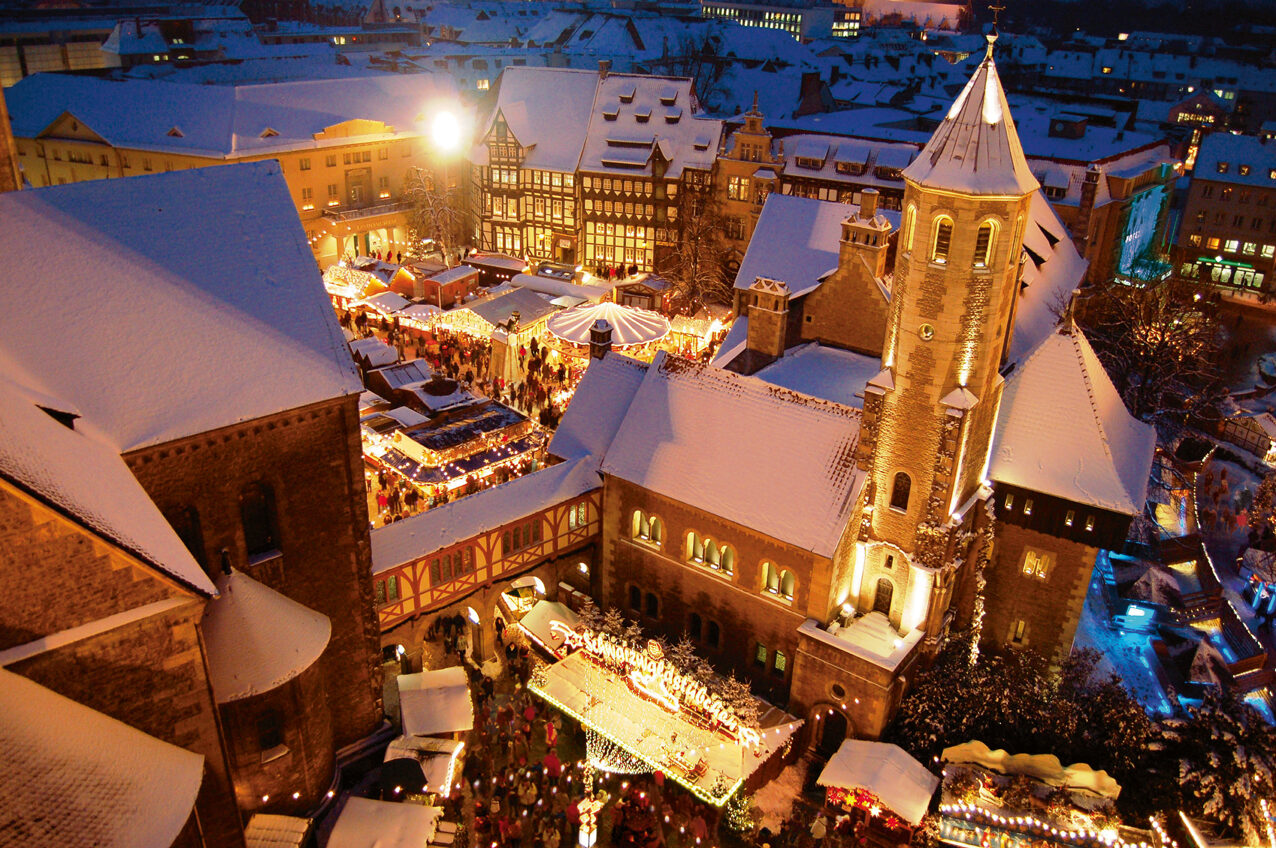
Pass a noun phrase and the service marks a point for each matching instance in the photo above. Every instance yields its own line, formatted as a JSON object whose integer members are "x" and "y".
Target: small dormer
{"x": 627, "y": 93}
{"x": 673, "y": 116}
{"x": 610, "y": 111}
{"x": 642, "y": 114}
{"x": 669, "y": 95}
{"x": 174, "y": 132}
{"x": 268, "y": 132}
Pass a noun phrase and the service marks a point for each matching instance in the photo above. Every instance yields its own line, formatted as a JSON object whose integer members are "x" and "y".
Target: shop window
{"x": 900, "y": 491}
{"x": 942, "y": 241}
{"x": 257, "y": 513}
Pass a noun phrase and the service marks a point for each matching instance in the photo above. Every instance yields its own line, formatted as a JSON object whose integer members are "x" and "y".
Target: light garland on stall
{"x": 609, "y": 757}
{"x": 978, "y": 815}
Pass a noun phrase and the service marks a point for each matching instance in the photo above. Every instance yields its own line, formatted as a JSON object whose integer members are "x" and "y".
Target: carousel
{"x": 635, "y": 331}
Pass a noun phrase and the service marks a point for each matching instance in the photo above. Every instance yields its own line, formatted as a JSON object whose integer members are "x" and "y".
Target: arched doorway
{"x": 831, "y": 728}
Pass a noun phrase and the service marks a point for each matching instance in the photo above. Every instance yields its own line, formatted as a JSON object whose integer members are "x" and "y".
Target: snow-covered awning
{"x": 387, "y": 303}
{"x": 536, "y": 624}
{"x": 888, "y": 771}
{"x": 365, "y": 823}
{"x": 629, "y": 325}
{"x": 435, "y": 702}
{"x": 437, "y": 757}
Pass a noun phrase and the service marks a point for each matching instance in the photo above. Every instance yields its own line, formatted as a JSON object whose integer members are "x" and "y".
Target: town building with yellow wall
{"x": 346, "y": 146}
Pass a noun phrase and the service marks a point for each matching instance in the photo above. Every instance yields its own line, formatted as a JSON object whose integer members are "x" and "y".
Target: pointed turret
{"x": 976, "y": 149}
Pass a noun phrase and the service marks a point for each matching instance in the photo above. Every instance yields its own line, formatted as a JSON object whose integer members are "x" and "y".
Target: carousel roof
{"x": 629, "y": 326}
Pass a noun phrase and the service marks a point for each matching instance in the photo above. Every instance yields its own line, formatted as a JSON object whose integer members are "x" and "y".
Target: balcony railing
{"x": 343, "y": 213}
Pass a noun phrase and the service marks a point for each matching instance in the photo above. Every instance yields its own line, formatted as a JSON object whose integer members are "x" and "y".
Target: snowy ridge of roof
{"x": 435, "y": 529}
{"x": 258, "y": 639}
{"x": 888, "y": 771}
{"x": 547, "y": 110}
{"x": 87, "y": 480}
{"x": 976, "y": 149}
{"x": 598, "y": 407}
{"x": 206, "y": 311}
{"x": 74, "y": 776}
{"x": 800, "y": 448}
{"x": 1047, "y": 285}
{"x": 1042, "y": 443}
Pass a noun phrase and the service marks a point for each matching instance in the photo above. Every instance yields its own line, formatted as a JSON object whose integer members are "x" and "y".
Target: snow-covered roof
{"x": 377, "y": 353}
{"x": 1063, "y": 430}
{"x": 799, "y": 448}
{"x": 559, "y": 288}
{"x": 529, "y": 305}
{"x": 976, "y": 149}
{"x": 258, "y": 639}
{"x": 182, "y": 309}
{"x": 824, "y": 372}
{"x": 268, "y": 830}
{"x": 547, "y": 110}
{"x": 888, "y": 771}
{"x": 436, "y": 702}
{"x": 870, "y": 637}
{"x": 1044, "y": 767}
{"x": 387, "y": 303}
{"x": 635, "y": 117}
{"x": 1055, "y": 269}
{"x": 1231, "y": 152}
{"x": 598, "y": 407}
{"x": 810, "y": 231}
{"x": 228, "y": 121}
{"x": 367, "y": 823}
{"x": 629, "y": 324}
{"x": 404, "y": 373}
{"x": 85, "y": 479}
{"x": 73, "y": 776}
{"x": 435, "y": 529}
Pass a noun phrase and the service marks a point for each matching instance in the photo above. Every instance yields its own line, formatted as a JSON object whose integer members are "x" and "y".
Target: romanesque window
{"x": 720, "y": 558}
{"x": 652, "y": 605}
{"x": 900, "y": 491}
{"x": 943, "y": 238}
{"x": 778, "y": 582}
{"x": 695, "y": 626}
{"x": 635, "y": 598}
{"x": 695, "y": 547}
{"x": 984, "y": 244}
{"x": 910, "y": 224}
{"x": 647, "y": 528}
{"x": 1037, "y": 563}
{"x": 257, "y": 513}
{"x": 714, "y": 634}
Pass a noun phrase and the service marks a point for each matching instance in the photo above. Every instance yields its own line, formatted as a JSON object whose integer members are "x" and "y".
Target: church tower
{"x": 929, "y": 415}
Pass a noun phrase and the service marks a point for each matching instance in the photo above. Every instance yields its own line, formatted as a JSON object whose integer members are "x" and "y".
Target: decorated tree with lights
{"x": 632, "y": 635}
{"x": 613, "y": 623}
{"x": 736, "y": 695}
{"x": 436, "y": 214}
{"x": 1226, "y": 757}
{"x": 682, "y": 654}
{"x": 591, "y": 616}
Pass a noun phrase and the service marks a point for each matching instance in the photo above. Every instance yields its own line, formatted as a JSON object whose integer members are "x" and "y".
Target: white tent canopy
{"x": 888, "y": 771}
{"x": 435, "y": 702}
{"x": 629, "y": 326}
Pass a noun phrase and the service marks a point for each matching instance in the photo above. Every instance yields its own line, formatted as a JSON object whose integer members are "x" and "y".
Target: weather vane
{"x": 996, "y": 13}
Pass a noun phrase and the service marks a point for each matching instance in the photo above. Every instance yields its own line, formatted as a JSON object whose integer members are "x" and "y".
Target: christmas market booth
{"x": 346, "y": 284}
{"x": 510, "y": 320}
{"x": 993, "y": 798}
{"x": 643, "y": 713}
{"x": 538, "y": 623}
{"x": 884, "y": 790}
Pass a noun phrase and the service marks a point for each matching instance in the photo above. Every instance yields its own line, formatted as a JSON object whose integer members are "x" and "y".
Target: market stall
{"x": 885, "y": 791}
{"x": 436, "y": 703}
{"x": 630, "y": 326}
{"x": 537, "y": 624}
{"x": 640, "y": 713}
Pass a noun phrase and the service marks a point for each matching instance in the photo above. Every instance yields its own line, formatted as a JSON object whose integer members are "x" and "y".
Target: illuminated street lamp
{"x": 445, "y": 130}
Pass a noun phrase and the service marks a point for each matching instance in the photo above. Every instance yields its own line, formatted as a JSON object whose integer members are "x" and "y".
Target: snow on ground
{"x": 774, "y": 802}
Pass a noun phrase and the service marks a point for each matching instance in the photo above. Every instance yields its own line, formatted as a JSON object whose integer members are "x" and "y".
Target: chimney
{"x": 599, "y": 339}
{"x": 604, "y": 68}
{"x": 868, "y": 204}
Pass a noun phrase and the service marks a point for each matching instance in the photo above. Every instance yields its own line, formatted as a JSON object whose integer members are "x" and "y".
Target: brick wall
{"x": 746, "y": 615}
{"x": 308, "y": 764}
{"x": 311, "y": 459}
{"x": 1051, "y": 606}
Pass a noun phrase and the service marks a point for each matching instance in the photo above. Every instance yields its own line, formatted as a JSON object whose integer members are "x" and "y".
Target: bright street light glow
{"x": 446, "y": 131}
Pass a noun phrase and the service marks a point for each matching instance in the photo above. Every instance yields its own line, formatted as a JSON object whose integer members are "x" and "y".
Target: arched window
{"x": 657, "y": 531}
{"x": 653, "y": 605}
{"x": 711, "y": 555}
{"x": 714, "y": 636}
{"x": 257, "y": 512}
{"x": 984, "y": 244}
{"x": 885, "y": 592}
{"x": 185, "y": 521}
{"x": 695, "y": 547}
{"x": 910, "y": 224}
{"x": 647, "y": 528}
{"x": 788, "y": 584}
{"x": 726, "y": 561}
{"x": 695, "y": 626}
{"x": 900, "y": 491}
{"x": 770, "y": 578}
{"x": 942, "y": 239}
{"x": 635, "y": 598}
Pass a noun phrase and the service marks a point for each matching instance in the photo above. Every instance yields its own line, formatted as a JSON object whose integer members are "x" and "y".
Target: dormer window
{"x": 269, "y": 133}
{"x": 807, "y": 162}
{"x": 627, "y": 96}
{"x": 176, "y": 133}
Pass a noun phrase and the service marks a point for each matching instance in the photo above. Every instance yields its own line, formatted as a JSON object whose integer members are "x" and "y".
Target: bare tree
{"x": 697, "y": 267}
{"x": 1161, "y": 344}
{"x": 436, "y": 213}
